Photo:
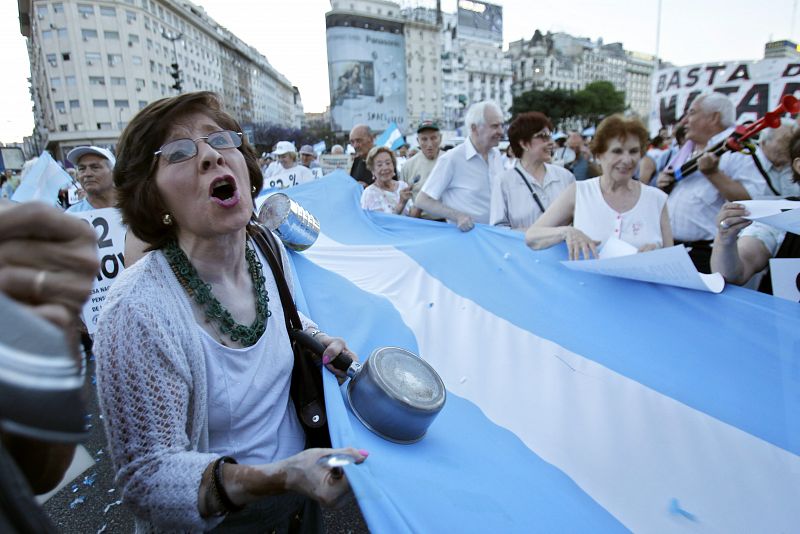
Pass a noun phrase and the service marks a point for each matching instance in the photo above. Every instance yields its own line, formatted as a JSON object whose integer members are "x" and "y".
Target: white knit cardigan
{"x": 151, "y": 381}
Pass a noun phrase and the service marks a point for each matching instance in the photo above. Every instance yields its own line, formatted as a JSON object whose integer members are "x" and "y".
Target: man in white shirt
{"x": 773, "y": 157}
{"x": 459, "y": 186}
{"x": 95, "y": 173}
{"x": 695, "y": 200}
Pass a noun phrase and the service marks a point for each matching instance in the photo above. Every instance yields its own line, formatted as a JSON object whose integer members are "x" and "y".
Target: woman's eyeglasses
{"x": 185, "y": 149}
{"x": 544, "y": 135}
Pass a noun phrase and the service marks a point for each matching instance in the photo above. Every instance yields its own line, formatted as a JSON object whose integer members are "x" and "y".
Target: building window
{"x": 85, "y": 10}
{"x": 51, "y": 58}
{"x": 60, "y": 107}
{"x": 142, "y": 104}
{"x": 114, "y": 59}
{"x": 41, "y": 12}
{"x": 63, "y": 127}
{"x": 47, "y": 35}
{"x": 97, "y": 80}
{"x": 88, "y": 34}
{"x": 121, "y": 104}
{"x": 55, "y": 82}
{"x": 58, "y": 7}
{"x": 74, "y": 104}
{"x": 93, "y": 58}
{"x": 140, "y": 83}
{"x": 133, "y": 38}
{"x": 77, "y": 126}
{"x": 130, "y": 16}
{"x": 111, "y": 35}
{"x": 108, "y": 11}
{"x": 100, "y": 103}
{"x": 62, "y": 33}
{"x": 65, "y": 56}
{"x": 117, "y": 80}
{"x": 103, "y": 125}
{"x": 70, "y": 81}
{"x": 136, "y": 60}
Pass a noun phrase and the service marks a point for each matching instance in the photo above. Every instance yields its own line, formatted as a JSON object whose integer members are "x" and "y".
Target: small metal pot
{"x": 296, "y": 227}
{"x": 395, "y": 393}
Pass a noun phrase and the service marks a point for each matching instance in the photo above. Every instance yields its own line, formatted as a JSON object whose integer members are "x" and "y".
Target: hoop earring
{"x": 166, "y": 219}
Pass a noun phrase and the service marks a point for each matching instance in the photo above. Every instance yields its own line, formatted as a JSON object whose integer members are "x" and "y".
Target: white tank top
{"x": 638, "y": 226}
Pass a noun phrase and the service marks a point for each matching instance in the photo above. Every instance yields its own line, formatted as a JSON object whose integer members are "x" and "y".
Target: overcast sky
{"x": 291, "y": 34}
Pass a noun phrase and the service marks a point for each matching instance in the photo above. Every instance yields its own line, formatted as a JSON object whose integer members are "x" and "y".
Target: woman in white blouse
{"x": 523, "y": 192}
{"x": 612, "y": 205}
{"x": 386, "y": 194}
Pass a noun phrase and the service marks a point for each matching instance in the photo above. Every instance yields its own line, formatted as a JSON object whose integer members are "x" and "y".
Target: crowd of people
{"x": 201, "y": 435}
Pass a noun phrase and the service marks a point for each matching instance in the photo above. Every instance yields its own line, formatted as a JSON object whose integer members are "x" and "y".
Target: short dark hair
{"x": 794, "y": 153}
{"x": 134, "y": 174}
{"x": 618, "y": 127}
{"x": 523, "y": 128}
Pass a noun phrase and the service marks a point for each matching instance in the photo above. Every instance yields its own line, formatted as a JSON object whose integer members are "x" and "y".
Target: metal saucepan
{"x": 395, "y": 393}
{"x": 295, "y": 226}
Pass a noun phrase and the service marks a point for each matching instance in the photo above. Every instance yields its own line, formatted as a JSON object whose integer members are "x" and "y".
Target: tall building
{"x": 423, "y": 65}
{"x": 562, "y": 61}
{"x": 781, "y": 49}
{"x": 95, "y": 64}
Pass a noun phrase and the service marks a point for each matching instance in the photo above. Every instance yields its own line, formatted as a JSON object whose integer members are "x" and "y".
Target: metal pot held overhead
{"x": 395, "y": 393}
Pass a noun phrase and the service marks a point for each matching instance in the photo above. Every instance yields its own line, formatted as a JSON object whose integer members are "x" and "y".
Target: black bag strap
{"x": 763, "y": 172}
{"x": 530, "y": 188}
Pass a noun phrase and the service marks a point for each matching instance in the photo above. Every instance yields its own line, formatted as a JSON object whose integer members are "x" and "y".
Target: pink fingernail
{"x": 326, "y": 360}
{"x": 363, "y": 453}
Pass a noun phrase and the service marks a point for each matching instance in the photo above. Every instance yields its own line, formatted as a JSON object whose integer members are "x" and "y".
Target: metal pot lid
{"x": 275, "y": 210}
{"x": 407, "y": 377}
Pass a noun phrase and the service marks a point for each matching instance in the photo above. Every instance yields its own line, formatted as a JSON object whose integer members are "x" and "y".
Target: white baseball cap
{"x": 284, "y": 147}
{"x": 76, "y": 154}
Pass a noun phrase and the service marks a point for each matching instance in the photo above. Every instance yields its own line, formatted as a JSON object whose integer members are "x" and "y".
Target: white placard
{"x": 110, "y": 249}
{"x": 669, "y": 266}
{"x": 783, "y": 214}
{"x": 785, "y": 274}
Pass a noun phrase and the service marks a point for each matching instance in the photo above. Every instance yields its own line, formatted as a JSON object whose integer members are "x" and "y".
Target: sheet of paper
{"x": 615, "y": 247}
{"x": 783, "y": 214}
{"x": 80, "y": 463}
{"x": 669, "y": 266}
{"x": 785, "y": 274}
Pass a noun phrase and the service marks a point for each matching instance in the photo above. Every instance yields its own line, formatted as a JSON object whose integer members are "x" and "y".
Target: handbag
{"x": 306, "y": 387}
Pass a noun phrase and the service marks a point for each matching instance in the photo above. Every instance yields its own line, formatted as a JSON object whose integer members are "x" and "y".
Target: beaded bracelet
{"x": 225, "y": 502}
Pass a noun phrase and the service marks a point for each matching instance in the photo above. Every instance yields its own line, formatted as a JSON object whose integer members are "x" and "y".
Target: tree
{"x": 558, "y": 104}
{"x": 598, "y": 100}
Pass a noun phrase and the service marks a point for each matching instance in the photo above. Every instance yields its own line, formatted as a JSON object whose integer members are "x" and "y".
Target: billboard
{"x": 480, "y": 20}
{"x": 754, "y": 87}
{"x": 367, "y": 76}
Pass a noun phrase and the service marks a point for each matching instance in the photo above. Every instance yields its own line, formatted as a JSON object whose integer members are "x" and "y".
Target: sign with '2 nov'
{"x": 110, "y": 247}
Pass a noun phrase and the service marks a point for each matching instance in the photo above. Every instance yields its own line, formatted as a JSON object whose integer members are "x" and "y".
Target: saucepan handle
{"x": 341, "y": 362}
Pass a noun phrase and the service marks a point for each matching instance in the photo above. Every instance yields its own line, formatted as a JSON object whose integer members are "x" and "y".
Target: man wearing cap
{"x": 416, "y": 170}
{"x": 95, "y": 173}
{"x": 308, "y": 159}
{"x": 290, "y": 173}
{"x": 362, "y": 140}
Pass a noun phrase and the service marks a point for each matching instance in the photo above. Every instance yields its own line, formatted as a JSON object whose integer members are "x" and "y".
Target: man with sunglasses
{"x": 95, "y": 174}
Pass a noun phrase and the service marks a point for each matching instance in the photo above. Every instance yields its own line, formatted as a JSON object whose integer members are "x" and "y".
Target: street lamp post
{"x": 175, "y": 73}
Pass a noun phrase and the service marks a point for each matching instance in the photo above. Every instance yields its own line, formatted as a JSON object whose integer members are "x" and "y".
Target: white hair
{"x": 769, "y": 133}
{"x": 476, "y": 114}
{"x": 718, "y": 103}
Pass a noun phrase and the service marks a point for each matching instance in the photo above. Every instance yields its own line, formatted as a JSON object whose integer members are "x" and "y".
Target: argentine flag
{"x": 391, "y": 138}
{"x": 576, "y": 402}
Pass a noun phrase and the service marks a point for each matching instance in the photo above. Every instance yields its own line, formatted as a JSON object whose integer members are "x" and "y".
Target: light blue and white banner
{"x": 576, "y": 402}
{"x": 391, "y": 138}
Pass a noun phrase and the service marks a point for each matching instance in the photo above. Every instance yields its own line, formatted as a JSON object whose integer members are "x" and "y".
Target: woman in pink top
{"x": 612, "y": 205}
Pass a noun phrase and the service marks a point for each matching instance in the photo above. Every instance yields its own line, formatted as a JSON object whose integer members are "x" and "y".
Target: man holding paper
{"x": 738, "y": 257}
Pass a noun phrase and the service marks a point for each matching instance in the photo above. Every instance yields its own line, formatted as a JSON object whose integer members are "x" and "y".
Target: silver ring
{"x": 724, "y": 224}
{"x": 38, "y": 284}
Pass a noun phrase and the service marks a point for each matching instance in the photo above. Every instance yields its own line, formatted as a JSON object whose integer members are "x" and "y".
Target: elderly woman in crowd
{"x": 741, "y": 250}
{"x": 193, "y": 357}
{"x": 289, "y": 173}
{"x": 611, "y": 205}
{"x": 387, "y": 194}
{"x": 522, "y": 193}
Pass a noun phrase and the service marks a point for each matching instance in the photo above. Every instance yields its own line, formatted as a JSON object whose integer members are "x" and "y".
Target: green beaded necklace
{"x": 216, "y": 312}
